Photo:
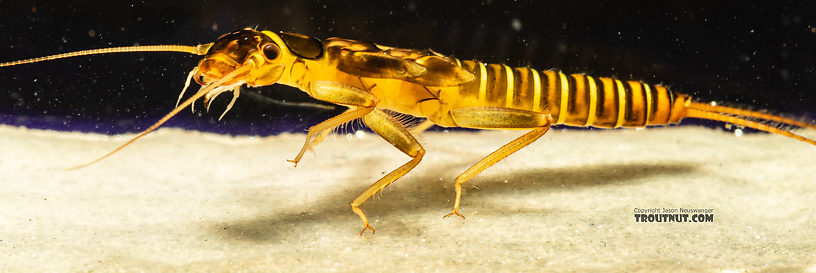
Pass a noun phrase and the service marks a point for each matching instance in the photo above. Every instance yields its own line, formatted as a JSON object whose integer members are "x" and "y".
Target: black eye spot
{"x": 271, "y": 51}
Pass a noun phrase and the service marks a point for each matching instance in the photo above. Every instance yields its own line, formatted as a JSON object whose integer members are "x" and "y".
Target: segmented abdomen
{"x": 573, "y": 99}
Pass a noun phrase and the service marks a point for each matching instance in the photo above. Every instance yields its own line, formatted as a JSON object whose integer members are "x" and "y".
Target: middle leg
{"x": 396, "y": 134}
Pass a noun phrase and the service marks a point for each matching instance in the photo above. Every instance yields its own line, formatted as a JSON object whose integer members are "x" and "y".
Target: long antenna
{"x": 197, "y": 50}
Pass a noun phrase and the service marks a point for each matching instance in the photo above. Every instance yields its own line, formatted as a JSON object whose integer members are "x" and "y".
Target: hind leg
{"x": 497, "y": 118}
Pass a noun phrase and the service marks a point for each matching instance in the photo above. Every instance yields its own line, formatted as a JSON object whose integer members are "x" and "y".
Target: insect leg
{"x": 392, "y": 131}
{"x": 319, "y": 137}
{"x": 358, "y": 99}
{"x": 494, "y": 118}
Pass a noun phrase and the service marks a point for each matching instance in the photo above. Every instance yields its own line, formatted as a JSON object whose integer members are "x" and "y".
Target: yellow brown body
{"x": 575, "y": 99}
{"x": 449, "y": 92}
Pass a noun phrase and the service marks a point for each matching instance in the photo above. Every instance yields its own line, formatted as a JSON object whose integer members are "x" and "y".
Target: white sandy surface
{"x": 180, "y": 201}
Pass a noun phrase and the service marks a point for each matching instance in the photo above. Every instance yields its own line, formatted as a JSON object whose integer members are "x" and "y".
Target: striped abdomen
{"x": 573, "y": 99}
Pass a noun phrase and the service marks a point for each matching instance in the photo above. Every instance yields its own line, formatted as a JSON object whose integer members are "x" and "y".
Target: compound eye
{"x": 271, "y": 51}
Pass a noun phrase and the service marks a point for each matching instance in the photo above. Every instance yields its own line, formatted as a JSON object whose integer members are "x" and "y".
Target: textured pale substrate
{"x": 193, "y": 202}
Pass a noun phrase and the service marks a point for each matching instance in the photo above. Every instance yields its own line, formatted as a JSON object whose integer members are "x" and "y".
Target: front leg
{"x": 360, "y": 101}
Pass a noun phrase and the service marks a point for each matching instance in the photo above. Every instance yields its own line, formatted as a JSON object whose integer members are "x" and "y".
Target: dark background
{"x": 753, "y": 55}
